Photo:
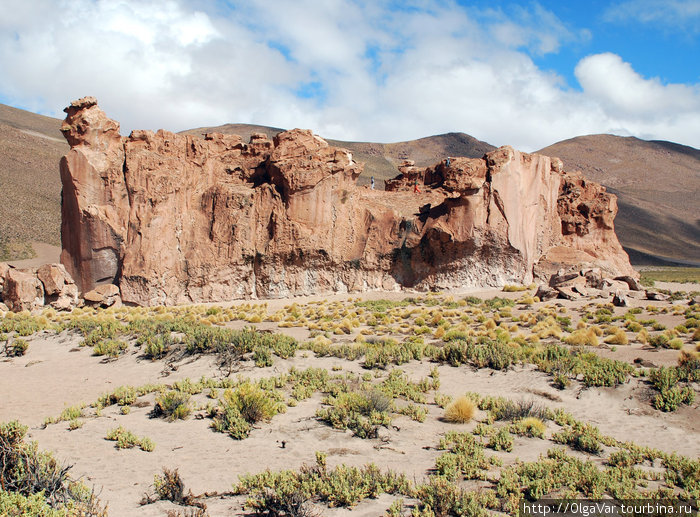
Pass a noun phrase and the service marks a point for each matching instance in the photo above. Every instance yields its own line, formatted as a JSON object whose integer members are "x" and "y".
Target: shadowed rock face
{"x": 177, "y": 218}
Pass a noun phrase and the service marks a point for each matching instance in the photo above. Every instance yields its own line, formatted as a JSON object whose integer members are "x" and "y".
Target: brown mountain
{"x": 657, "y": 182}
{"x": 30, "y": 188}
{"x": 658, "y": 189}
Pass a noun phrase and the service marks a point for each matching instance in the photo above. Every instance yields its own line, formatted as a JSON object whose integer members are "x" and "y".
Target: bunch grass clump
{"x": 460, "y": 411}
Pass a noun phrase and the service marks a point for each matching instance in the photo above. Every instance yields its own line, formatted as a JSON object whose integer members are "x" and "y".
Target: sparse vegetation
{"x": 126, "y": 440}
{"x": 366, "y": 394}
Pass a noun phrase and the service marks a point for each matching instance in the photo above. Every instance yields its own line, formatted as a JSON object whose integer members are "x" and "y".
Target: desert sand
{"x": 56, "y": 373}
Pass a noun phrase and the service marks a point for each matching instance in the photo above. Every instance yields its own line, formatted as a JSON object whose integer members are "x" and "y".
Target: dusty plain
{"x": 357, "y": 342}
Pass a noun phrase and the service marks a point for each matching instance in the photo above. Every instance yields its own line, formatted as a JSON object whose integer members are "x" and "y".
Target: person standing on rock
{"x": 447, "y": 162}
{"x": 371, "y": 183}
{"x": 416, "y": 190}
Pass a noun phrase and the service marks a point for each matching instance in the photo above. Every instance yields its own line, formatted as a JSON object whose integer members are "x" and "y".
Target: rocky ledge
{"x": 173, "y": 218}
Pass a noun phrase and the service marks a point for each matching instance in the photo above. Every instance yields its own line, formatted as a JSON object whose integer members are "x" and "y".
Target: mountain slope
{"x": 30, "y": 188}
{"x": 658, "y": 189}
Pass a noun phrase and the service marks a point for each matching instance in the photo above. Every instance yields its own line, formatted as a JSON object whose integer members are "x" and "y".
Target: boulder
{"x": 178, "y": 218}
{"x": 594, "y": 278}
{"x": 562, "y": 278}
{"x": 620, "y": 300}
{"x": 567, "y": 293}
{"x": 60, "y": 290}
{"x": 54, "y": 277}
{"x": 613, "y": 286}
{"x": 631, "y": 282}
{"x": 545, "y": 293}
{"x": 656, "y": 296}
{"x": 4, "y": 268}
{"x": 22, "y": 291}
{"x": 105, "y": 295}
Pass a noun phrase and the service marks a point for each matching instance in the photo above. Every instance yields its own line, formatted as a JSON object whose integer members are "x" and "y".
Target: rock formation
{"x": 31, "y": 289}
{"x": 176, "y": 218}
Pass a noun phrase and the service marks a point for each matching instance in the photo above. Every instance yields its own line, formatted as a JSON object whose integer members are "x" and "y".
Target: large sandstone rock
{"x": 4, "y": 268}
{"x": 173, "y": 218}
{"x": 22, "y": 291}
{"x": 59, "y": 288}
{"x": 105, "y": 295}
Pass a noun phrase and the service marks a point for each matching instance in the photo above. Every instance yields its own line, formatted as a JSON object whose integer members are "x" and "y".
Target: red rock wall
{"x": 174, "y": 218}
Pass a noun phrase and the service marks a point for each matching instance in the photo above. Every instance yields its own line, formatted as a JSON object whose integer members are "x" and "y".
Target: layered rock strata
{"x": 176, "y": 218}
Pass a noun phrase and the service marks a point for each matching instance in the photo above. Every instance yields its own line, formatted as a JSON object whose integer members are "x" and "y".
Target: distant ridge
{"x": 658, "y": 182}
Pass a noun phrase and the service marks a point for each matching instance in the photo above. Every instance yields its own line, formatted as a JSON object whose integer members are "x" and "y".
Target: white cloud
{"x": 381, "y": 74}
{"x": 675, "y": 14}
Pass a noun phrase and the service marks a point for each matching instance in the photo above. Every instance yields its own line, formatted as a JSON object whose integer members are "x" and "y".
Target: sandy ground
{"x": 45, "y": 254}
{"x": 56, "y": 373}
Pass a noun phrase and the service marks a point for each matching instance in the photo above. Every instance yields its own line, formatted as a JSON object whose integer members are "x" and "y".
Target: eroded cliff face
{"x": 174, "y": 218}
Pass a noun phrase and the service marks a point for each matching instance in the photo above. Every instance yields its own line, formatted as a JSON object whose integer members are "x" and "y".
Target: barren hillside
{"x": 30, "y": 188}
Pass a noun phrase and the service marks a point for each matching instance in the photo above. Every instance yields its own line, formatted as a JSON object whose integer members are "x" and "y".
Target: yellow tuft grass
{"x": 533, "y": 426}
{"x": 460, "y": 411}
{"x": 617, "y": 337}
{"x": 582, "y": 337}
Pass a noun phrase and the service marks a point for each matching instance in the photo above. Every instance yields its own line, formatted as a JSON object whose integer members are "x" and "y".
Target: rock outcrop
{"x": 175, "y": 218}
{"x": 23, "y": 291}
{"x": 31, "y": 289}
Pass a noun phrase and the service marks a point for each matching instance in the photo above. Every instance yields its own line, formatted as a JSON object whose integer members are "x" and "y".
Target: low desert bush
{"x": 501, "y": 440}
{"x": 110, "y": 347}
{"x": 35, "y": 483}
{"x": 362, "y": 412}
{"x": 580, "y": 436}
{"x": 617, "y": 336}
{"x": 126, "y": 440}
{"x": 529, "y": 426}
{"x": 173, "y": 405}
{"x": 244, "y": 406}
{"x": 17, "y": 348}
{"x": 582, "y": 337}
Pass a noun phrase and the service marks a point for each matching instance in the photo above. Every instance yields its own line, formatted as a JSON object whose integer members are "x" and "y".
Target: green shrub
{"x": 342, "y": 486}
{"x": 529, "y": 426}
{"x": 670, "y": 399}
{"x": 501, "y": 440}
{"x": 362, "y": 412}
{"x": 34, "y": 481}
{"x": 173, "y": 405}
{"x": 126, "y": 440}
{"x": 17, "y": 348}
{"x": 244, "y": 406}
{"x": 262, "y": 356}
{"x": 122, "y": 396}
{"x": 582, "y": 437}
{"x": 110, "y": 347}
{"x": 414, "y": 412}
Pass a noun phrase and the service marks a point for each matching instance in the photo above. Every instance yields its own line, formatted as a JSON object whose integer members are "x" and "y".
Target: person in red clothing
{"x": 415, "y": 187}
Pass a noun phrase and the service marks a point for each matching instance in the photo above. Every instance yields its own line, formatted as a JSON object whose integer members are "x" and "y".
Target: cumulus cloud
{"x": 348, "y": 69}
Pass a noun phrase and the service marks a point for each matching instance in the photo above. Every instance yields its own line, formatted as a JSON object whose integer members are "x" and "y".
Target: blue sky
{"x": 521, "y": 73}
